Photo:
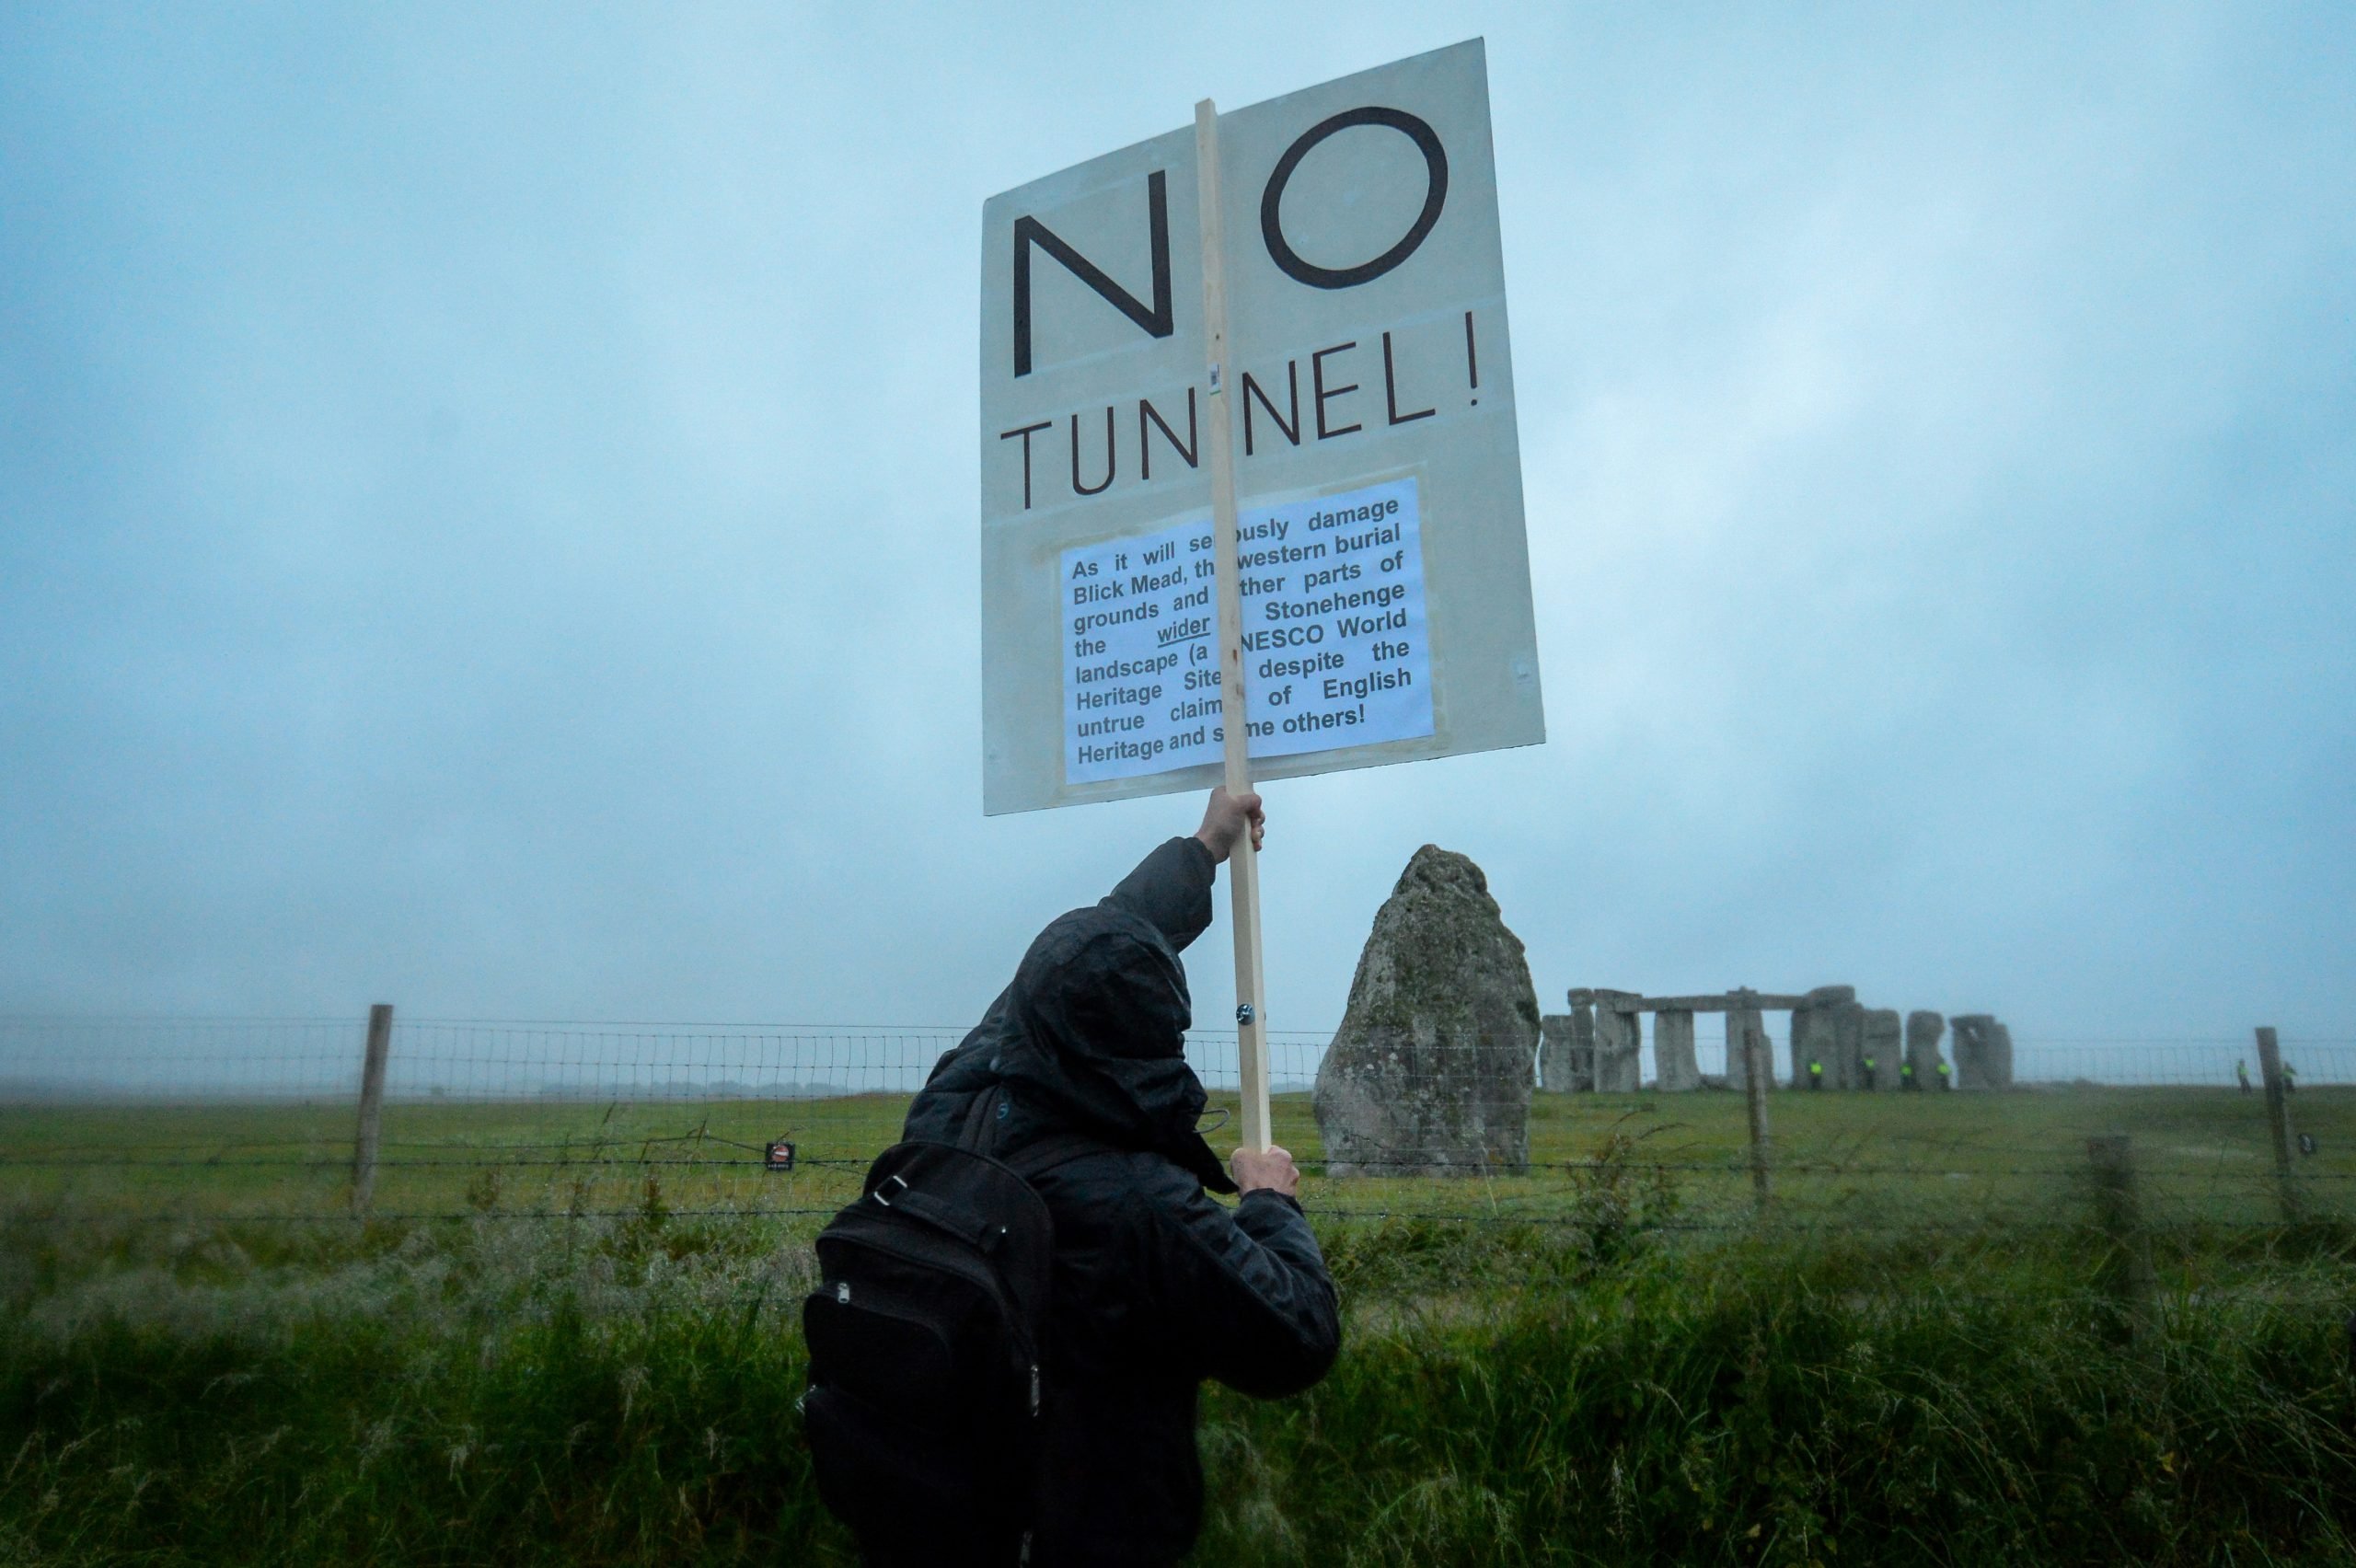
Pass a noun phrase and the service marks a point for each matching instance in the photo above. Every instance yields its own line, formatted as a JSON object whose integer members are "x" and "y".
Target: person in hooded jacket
{"x": 1156, "y": 1286}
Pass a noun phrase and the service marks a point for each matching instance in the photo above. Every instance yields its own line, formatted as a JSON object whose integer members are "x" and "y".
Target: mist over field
{"x": 488, "y": 513}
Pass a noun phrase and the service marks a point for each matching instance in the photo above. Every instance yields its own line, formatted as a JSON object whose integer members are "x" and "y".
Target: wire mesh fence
{"x": 257, "y": 1118}
{"x": 264, "y": 1060}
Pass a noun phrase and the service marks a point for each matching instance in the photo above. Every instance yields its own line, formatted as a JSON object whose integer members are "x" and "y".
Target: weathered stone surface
{"x": 1739, "y": 1020}
{"x": 1923, "y": 1031}
{"x": 1880, "y": 1045}
{"x": 1619, "y": 1044}
{"x": 1553, "y": 1053}
{"x": 1824, "y": 1030}
{"x": 1674, "y": 1067}
{"x": 1429, "y": 1073}
{"x": 1566, "y": 1049}
{"x": 1849, "y": 1044}
{"x": 1983, "y": 1052}
{"x": 1971, "y": 1047}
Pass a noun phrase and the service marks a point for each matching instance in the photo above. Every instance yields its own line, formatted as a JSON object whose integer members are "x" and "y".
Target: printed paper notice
{"x": 1335, "y": 652}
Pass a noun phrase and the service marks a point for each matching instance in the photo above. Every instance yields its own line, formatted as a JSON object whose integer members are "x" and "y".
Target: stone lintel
{"x": 1765, "y": 1001}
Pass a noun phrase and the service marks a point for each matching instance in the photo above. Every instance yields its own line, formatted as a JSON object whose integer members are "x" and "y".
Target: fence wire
{"x": 253, "y": 1120}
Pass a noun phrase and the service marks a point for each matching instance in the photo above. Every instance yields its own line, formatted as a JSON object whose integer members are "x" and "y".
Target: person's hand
{"x": 1224, "y": 820}
{"x": 1271, "y": 1168}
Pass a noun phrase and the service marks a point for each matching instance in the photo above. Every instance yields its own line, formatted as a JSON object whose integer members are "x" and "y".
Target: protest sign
{"x": 1369, "y": 365}
{"x": 1251, "y": 482}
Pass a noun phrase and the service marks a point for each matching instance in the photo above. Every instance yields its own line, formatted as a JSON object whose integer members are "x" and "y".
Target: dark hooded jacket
{"x": 1156, "y": 1286}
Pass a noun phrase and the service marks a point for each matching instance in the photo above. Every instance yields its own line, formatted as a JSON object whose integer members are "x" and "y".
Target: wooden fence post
{"x": 2126, "y": 1271}
{"x": 2278, "y": 1116}
{"x": 372, "y": 1107}
{"x": 1756, "y": 1069}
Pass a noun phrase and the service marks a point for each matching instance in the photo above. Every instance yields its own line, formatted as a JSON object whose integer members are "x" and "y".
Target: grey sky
{"x": 486, "y": 508}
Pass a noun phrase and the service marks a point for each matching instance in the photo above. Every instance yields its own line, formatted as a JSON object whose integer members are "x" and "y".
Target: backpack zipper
{"x": 985, "y": 1278}
{"x": 1034, "y": 1388}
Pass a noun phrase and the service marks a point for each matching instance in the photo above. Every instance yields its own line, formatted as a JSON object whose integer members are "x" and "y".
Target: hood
{"x": 1100, "y": 1011}
{"x": 1091, "y": 1037}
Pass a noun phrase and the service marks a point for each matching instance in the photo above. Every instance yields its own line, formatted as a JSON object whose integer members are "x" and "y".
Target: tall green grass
{"x": 1602, "y": 1390}
{"x": 1771, "y": 1405}
{"x": 617, "y": 1392}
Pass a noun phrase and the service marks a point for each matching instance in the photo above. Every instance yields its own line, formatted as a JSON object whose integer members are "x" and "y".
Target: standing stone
{"x": 1848, "y": 1045}
{"x": 1619, "y": 1045}
{"x": 1881, "y": 1043}
{"x": 1739, "y": 1020}
{"x": 1674, "y": 1067}
{"x": 1567, "y": 1047}
{"x": 1582, "y": 1002}
{"x": 1429, "y": 1073}
{"x": 1553, "y": 1053}
{"x": 1818, "y": 1033}
{"x": 1923, "y": 1031}
{"x": 1983, "y": 1052}
{"x": 1970, "y": 1046}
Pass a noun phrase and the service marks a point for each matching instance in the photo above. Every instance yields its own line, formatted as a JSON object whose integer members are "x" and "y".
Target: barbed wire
{"x": 1735, "y": 1167}
{"x": 1844, "y": 1227}
{"x": 260, "y": 1105}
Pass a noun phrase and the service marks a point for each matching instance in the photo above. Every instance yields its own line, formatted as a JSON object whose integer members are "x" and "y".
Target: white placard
{"x": 1369, "y": 347}
{"x": 1335, "y": 638}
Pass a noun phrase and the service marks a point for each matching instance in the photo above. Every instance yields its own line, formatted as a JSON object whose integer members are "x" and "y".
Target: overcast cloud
{"x": 488, "y": 513}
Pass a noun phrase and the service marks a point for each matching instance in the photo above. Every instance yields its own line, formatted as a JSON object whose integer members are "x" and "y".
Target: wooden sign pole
{"x": 1243, "y": 866}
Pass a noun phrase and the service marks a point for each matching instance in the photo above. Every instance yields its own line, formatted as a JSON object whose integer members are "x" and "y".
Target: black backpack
{"x": 925, "y": 1340}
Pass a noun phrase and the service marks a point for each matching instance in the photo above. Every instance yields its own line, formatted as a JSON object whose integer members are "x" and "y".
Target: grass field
{"x": 1861, "y": 1159}
{"x": 1927, "y": 1352}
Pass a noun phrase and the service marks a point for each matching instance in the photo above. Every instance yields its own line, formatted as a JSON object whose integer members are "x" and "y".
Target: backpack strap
{"x": 979, "y": 1233}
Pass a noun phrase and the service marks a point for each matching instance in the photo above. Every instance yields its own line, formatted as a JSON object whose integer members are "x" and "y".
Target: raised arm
{"x": 1171, "y": 886}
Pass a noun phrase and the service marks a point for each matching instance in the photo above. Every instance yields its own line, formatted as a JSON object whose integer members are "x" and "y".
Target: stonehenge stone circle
{"x": 1595, "y": 1045}
{"x": 1970, "y": 1048}
{"x": 1429, "y": 1073}
{"x": 1983, "y": 1052}
{"x": 1821, "y": 1028}
{"x": 1737, "y": 1020}
{"x": 1674, "y": 1069}
{"x": 1553, "y": 1053}
{"x": 1566, "y": 1049}
{"x": 1880, "y": 1038}
{"x": 1923, "y": 1031}
{"x": 1619, "y": 1042}
{"x": 1849, "y": 1044}
{"x": 1582, "y": 1002}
